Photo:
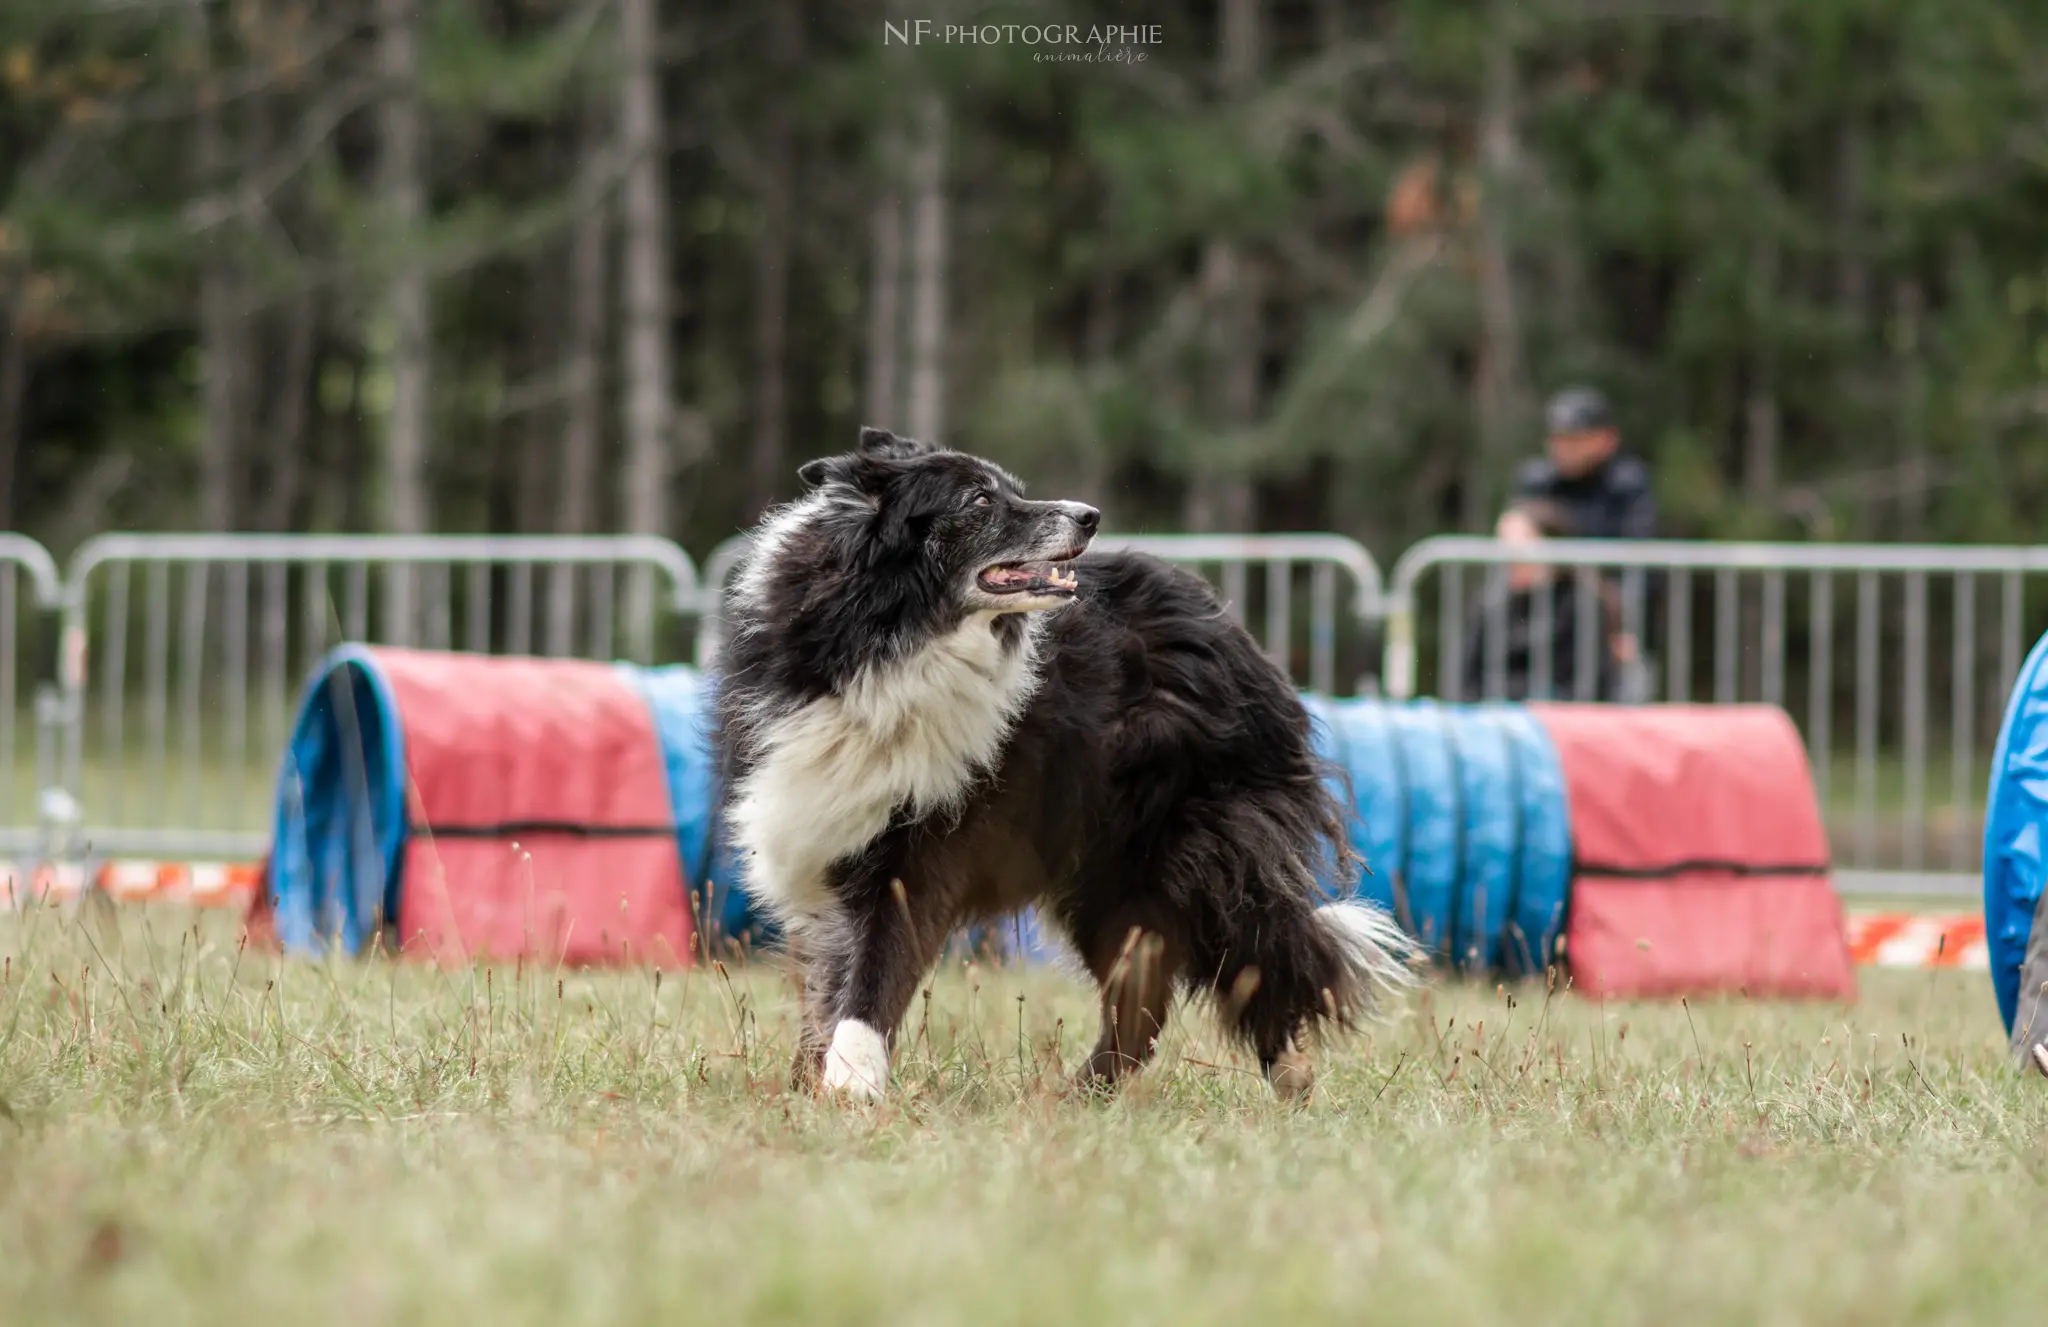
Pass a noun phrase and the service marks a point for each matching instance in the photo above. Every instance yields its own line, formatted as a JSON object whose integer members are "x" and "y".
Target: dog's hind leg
{"x": 1291, "y": 968}
{"x": 1137, "y": 967}
{"x": 816, "y": 978}
{"x": 1288, "y": 1070}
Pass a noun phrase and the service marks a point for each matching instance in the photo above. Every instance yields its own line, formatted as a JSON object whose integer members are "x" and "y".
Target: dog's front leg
{"x": 885, "y": 943}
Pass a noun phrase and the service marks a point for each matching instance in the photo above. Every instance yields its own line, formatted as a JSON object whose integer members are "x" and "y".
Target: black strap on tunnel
{"x": 1697, "y": 865}
{"x": 513, "y": 829}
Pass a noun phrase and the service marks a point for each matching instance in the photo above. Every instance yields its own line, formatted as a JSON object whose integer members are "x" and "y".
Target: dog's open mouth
{"x": 1049, "y": 577}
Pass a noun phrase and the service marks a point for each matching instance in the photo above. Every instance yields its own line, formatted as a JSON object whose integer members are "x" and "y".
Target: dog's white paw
{"x": 857, "y": 1065}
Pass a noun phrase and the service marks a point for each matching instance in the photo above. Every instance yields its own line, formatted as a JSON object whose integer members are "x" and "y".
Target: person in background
{"x": 1509, "y": 613}
{"x": 1602, "y": 492}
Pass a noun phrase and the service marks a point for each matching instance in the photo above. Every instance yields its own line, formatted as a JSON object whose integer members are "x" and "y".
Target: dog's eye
{"x": 980, "y": 500}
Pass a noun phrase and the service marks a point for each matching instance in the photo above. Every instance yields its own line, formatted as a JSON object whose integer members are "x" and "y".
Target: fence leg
{"x": 1400, "y": 656}
{"x": 57, "y": 808}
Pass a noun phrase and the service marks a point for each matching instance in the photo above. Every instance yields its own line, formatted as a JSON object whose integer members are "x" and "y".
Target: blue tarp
{"x": 2015, "y": 827}
{"x": 338, "y": 832}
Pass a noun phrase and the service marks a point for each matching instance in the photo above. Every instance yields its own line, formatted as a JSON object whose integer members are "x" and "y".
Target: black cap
{"x": 1578, "y": 410}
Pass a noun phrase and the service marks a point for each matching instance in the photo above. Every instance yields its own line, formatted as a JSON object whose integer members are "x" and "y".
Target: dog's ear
{"x": 889, "y": 446}
{"x": 859, "y": 470}
{"x": 818, "y": 473}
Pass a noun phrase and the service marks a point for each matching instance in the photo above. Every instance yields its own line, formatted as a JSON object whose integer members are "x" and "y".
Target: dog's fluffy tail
{"x": 1335, "y": 964}
{"x": 1371, "y": 951}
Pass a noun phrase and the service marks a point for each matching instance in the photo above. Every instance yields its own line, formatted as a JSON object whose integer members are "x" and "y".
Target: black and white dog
{"x": 933, "y": 709}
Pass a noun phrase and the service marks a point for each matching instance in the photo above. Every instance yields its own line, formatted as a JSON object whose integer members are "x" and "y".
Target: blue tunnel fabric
{"x": 1347, "y": 734}
{"x": 680, "y": 699}
{"x": 1543, "y": 851}
{"x": 1460, "y": 814}
{"x": 338, "y": 826}
{"x": 1490, "y": 813}
{"x": 2016, "y": 829}
{"x": 1425, "y": 756}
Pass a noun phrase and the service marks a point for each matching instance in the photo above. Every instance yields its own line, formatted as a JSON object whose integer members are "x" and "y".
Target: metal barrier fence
{"x": 200, "y": 644}
{"x": 1939, "y": 632}
{"x": 30, "y": 591}
{"x": 1284, "y": 588}
{"x": 1894, "y": 660}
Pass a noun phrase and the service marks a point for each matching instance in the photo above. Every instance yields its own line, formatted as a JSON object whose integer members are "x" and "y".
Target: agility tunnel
{"x": 1652, "y": 851}
{"x": 487, "y": 806}
{"x": 2016, "y": 847}
{"x": 1700, "y": 860}
{"x": 470, "y": 806}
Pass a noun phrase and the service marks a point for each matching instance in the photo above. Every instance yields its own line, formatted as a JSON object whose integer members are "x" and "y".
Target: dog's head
{"x": 959, "y": 520}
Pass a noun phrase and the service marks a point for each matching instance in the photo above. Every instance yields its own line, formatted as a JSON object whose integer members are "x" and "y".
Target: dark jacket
{"x": 1613, "y": 502}
{"x": 1513, "y": 614}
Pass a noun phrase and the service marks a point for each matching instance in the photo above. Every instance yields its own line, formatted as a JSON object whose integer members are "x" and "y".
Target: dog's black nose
{"x": 1087, "y": 518}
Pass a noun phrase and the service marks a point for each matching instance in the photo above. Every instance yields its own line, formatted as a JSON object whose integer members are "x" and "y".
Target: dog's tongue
{"x": 1010, "y": 576}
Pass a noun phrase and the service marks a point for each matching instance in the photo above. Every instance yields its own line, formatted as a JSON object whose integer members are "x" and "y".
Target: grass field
{"x": 195, "y": 1134}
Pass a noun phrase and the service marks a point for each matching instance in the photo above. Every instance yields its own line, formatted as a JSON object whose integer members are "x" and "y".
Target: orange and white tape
{"x": 1884, "y": 940}
{"x": 22, "y": 884}
{"x": 203, "y": 883}
{"x": 1906, "y": 940}
{"x": 206, "y": 884}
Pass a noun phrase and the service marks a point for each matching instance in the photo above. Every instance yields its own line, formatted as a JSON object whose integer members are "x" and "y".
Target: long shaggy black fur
{"x": 1156, "y": 794}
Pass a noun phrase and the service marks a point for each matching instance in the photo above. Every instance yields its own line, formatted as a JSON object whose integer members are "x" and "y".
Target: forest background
{"x": 581, "y": 265}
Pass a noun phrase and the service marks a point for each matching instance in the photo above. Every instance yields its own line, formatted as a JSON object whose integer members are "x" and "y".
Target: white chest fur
{"x": 915, "y": 732}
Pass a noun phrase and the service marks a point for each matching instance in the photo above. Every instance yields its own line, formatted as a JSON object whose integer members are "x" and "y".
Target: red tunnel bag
{"x": 1700, "y": 860}
{"x": 539, "y": 816}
